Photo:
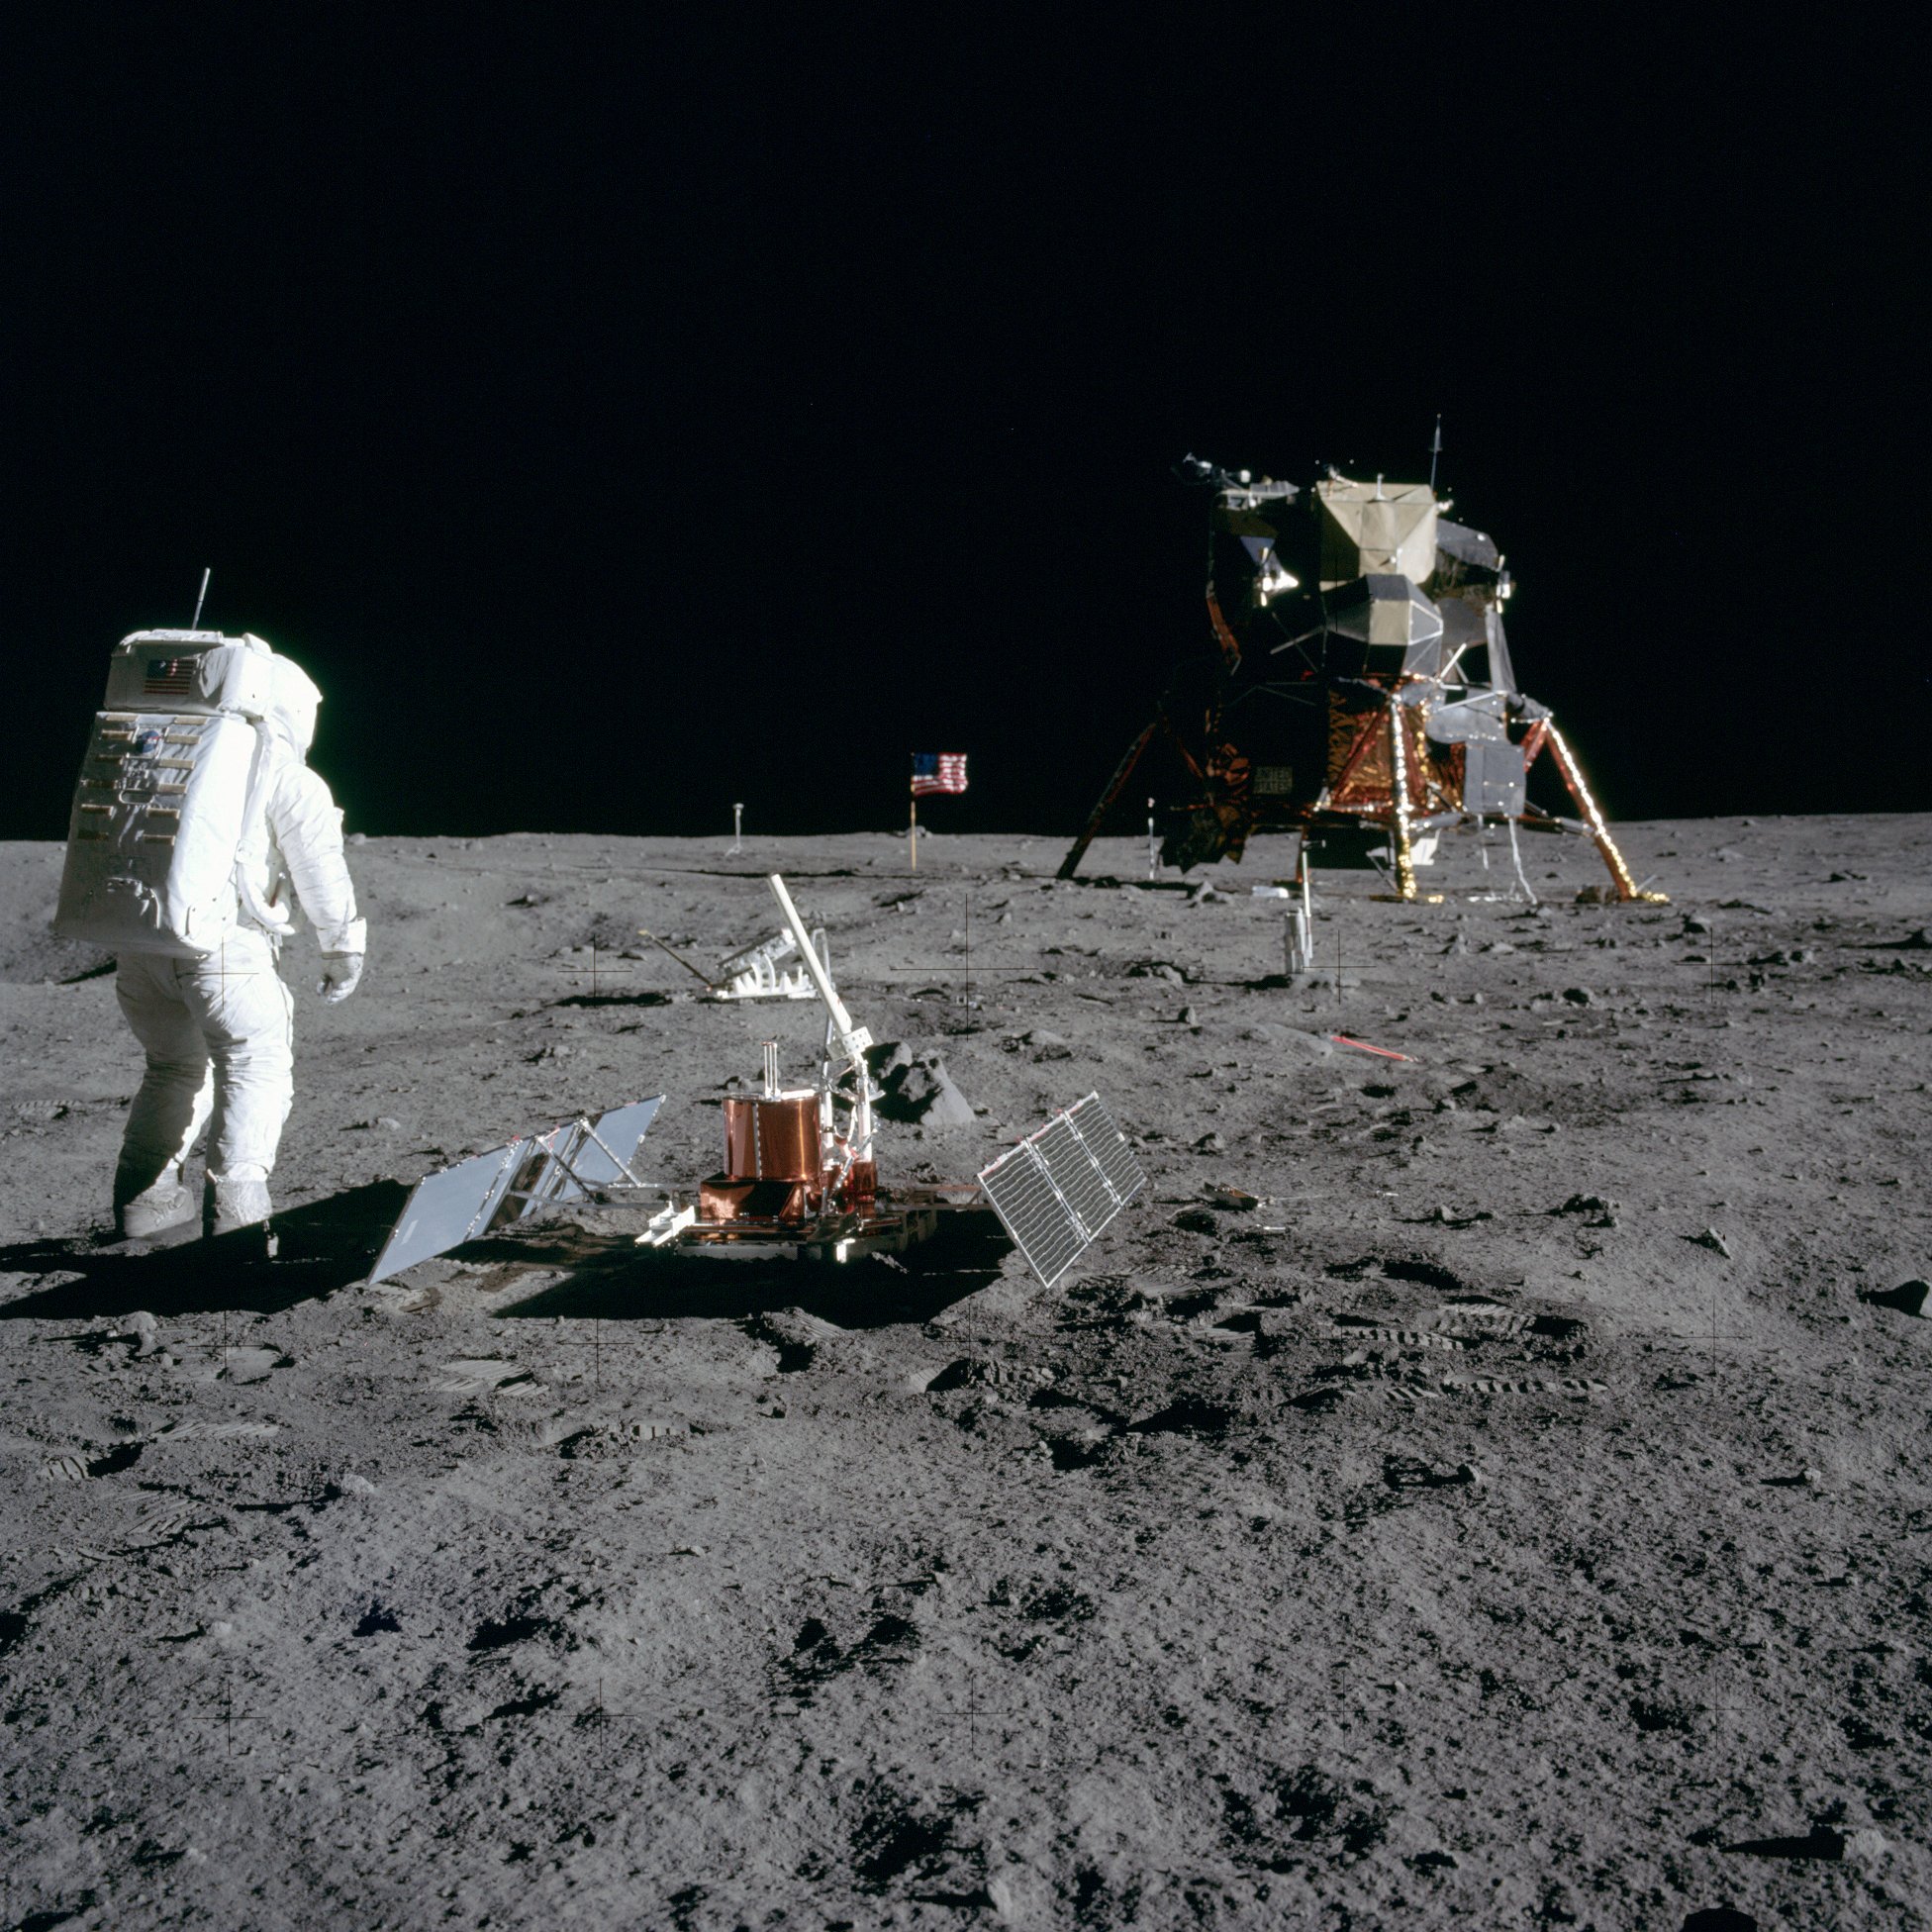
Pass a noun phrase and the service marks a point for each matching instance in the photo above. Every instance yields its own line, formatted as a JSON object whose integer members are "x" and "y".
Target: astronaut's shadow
{"x": 321, "y": 1246}
{"x": 617, "y": 1282}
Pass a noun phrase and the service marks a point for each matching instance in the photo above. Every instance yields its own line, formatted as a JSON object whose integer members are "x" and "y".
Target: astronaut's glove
{"x": 340, "y": 974}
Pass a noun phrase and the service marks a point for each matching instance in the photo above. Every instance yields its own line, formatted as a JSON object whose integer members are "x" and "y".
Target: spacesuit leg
{"x": 246, "y": 1014}
{"x": 177, "y": 1091}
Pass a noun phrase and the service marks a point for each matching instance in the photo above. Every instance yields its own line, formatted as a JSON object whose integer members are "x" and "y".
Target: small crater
{"x": 1408, "y": 1473}
{"x": 494, "y": 1634}
{"x": 1861, "y": 1736}
{"x": 1557, "y": 1327}
{"x": 975, "y": 1372}
{"x": 896, "y": 1838}
{"x": 524, "y": 1706}
{"x": 1057, "y": 1604}
{"x": 1318, "y": 1401}
{"x": 1650, "y": 1718}
{"x": 1314, "y": 1806}
{"x": 1188, "y": 1417}
{"x": 1429, "y": 1274}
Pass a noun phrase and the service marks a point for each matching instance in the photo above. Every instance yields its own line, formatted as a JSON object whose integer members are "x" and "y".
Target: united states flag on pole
{"x": 939, "y": 771}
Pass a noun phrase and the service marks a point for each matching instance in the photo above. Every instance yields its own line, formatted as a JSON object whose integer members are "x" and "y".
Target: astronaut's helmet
{"x": 293, "y": 701}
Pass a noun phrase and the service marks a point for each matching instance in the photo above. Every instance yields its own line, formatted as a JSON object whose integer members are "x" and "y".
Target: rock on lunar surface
{"x": 918, "y": 1089}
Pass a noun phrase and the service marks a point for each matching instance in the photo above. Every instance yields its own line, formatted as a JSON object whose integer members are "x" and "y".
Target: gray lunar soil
{"x": 1482, "y": 1489}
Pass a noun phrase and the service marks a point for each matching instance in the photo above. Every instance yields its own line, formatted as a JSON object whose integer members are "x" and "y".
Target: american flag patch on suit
{"x": 169, "y": 677}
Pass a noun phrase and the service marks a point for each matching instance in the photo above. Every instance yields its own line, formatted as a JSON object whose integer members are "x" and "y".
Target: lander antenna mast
{"x": 207, "y": 572}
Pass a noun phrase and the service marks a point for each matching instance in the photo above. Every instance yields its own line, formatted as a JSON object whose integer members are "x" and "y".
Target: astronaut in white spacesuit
{"x": 218, "y": 1031}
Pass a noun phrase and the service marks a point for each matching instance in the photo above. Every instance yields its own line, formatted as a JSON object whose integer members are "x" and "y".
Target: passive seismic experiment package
{"x": 800, "y": 1176}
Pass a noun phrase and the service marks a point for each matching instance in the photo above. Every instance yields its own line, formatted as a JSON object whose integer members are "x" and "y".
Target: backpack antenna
{"x": 203, "y": 598}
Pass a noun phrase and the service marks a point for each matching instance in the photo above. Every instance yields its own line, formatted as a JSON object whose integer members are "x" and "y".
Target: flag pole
{"x": 913, "y": 830}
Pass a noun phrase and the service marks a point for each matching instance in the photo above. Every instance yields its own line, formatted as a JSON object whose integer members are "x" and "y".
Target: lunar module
{"x": 1368, "y": 711}
{"x": 800, "y": 1180}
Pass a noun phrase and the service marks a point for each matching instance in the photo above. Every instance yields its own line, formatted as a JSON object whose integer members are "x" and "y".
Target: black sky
{"x": 621, "y": 418}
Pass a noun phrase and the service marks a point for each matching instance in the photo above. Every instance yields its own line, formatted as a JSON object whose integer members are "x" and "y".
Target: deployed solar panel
{"x": 1032, "y": 1210}
{"x": 1061, "y": 1186}
{"x": 1108, "y": 1147}
{"x": 588, "y": 1154}
{"x": 1074, "y": 1173}
{"x": 489, "y": 1191}
{"x": 448, "y": 1209}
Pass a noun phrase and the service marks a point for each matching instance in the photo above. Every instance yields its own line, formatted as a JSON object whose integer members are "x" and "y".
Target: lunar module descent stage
{"x": 799, "y": 1178}
{"x": 1372, "y": 713}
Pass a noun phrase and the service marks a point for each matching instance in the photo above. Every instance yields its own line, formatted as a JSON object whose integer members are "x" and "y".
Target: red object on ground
{"x": 1362, "y": 1046}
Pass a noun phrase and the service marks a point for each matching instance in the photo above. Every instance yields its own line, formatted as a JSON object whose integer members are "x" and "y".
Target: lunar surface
{"x": 1479, "y": 1488}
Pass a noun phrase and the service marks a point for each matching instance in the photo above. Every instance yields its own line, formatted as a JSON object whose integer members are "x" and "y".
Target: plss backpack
{"x": 176, "y": 773}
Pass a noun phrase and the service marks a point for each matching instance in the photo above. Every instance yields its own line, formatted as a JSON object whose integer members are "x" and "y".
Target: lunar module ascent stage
{"x": 800, "y": 1180}
{"x": 1369, "y": 712}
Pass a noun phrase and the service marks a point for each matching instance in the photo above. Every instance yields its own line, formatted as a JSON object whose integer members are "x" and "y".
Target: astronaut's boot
{"x": 155, "y": 1210}
{"x": 228, "y": 1204}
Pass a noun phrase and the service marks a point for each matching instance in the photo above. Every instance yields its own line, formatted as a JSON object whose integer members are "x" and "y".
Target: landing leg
{"x": 1399, "y": 842}
{"x": 1114, "y": 787}
{"x": 1626, "y": 891}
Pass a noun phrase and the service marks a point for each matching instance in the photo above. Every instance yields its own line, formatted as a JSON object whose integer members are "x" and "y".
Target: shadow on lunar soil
{"x": 614, "y": 1000}
{"x": 610, "y": 1280}
{"x": 321, "y": 1246}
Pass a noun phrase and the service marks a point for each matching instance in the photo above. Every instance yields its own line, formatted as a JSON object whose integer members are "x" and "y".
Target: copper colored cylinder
{"x": 771, "y": 1139}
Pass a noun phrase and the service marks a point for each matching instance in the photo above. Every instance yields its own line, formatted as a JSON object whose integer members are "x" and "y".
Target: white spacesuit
{"x": 218, "y": 1031}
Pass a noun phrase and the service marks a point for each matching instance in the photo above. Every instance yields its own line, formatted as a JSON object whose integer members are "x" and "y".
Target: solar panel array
{"x": 489, "y": 1191}
{"x": 1057, "y": 1190}
{"x": 1108, "y": 1147}
{"x": 1032, "y": 1211}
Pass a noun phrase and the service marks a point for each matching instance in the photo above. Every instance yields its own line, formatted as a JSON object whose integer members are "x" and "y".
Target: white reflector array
{"x": 1061, "y": 1186}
